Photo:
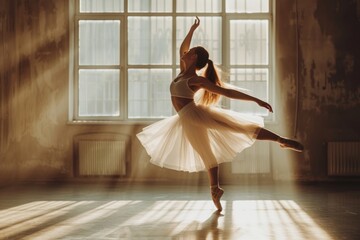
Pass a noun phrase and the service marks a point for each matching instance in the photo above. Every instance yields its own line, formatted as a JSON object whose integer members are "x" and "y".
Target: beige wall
{"x": 37, "y": 141}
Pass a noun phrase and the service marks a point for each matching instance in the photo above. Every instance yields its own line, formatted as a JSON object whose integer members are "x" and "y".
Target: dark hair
{"x": 202, "y": 57}
{"x": 210, "y": 74}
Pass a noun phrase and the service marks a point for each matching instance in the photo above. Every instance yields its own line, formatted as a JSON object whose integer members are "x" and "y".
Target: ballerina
{"x": 201, "y": 136}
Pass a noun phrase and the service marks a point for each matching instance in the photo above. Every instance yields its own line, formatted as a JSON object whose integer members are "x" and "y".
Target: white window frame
{"x": 75, "y": 16}
{"x": 270, "y": 66}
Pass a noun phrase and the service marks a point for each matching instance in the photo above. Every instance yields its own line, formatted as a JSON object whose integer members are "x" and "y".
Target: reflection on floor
{"x": 133, "y": 211}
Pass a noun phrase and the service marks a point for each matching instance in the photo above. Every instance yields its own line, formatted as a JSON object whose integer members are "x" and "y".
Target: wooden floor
{"x": 153, "y": 211}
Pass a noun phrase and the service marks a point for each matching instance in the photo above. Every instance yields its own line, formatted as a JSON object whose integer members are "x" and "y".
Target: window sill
{"x": 102, "y": 122}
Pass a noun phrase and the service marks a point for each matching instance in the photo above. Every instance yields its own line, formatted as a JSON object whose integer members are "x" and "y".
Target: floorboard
{"x": 165, "y": 211}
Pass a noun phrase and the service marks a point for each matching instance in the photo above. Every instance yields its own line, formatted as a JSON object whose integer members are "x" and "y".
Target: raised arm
{"x": 228, "y": 92}
{"x": 185, "y": 45}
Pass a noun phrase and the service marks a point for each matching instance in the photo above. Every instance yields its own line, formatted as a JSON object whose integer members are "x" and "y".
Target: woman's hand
{"x": 265, "y": 105}
{"x": 196, "y": 24}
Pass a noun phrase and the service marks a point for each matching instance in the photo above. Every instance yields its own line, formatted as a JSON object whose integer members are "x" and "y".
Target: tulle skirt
{"x": 199, "y": 137}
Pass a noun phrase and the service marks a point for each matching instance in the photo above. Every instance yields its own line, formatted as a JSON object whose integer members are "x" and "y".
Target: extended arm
{"x": 185, "y": 45}
{"x": 230, "y": 93}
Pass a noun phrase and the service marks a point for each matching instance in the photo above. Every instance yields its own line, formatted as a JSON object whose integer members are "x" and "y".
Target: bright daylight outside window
{"x": 126, "y": 53}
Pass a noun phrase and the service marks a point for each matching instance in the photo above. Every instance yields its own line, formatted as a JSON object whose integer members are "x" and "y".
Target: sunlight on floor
{"x": 245, "y": 219}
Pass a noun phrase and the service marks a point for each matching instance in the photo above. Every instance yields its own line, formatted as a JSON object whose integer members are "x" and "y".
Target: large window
{"x": 126, "y": 53}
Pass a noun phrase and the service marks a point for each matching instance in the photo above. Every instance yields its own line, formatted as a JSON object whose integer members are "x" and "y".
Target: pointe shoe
{"x": 291, "y": 144}
{"x": 216, "y": 194}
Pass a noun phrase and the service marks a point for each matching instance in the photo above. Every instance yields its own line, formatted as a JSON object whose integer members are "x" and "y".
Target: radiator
{"x": 253, "y": 160}
{"x": 343, "y": 158}
{"x": 101, "y": 154}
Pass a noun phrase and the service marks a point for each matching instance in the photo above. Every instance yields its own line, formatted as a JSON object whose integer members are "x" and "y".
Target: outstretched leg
{"x": 216, "y": 191}
{"x": 265, "y": 134}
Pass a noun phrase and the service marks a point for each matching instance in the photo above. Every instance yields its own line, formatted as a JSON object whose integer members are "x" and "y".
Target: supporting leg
{"x": 216, "y": 191}
{"x": 214, "y": 176}
{"x": 199, "y": 140}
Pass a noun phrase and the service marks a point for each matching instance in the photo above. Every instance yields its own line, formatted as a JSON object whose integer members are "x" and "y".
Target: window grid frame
{"x": 78, "y": 67}
{"x": 123, "y": 66}
{"x": 269, "y": 66}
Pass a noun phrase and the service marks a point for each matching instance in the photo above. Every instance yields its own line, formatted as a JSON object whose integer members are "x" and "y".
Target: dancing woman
{"x": 201, "y": 136}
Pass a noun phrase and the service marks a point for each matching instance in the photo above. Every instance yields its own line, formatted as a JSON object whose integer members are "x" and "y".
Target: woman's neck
{"x": 191, "y": 70}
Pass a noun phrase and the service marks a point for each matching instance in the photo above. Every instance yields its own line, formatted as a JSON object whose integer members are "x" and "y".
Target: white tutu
{"x": 199, "y": 137}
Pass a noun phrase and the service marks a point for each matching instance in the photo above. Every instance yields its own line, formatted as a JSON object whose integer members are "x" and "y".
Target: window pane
{"x": 249, "y": 42}
{"x": 209, "y": 6}
{"x": 99, "y": 42}
{"x": 150, "y": 6}
{"x": 148, "y": 93}
{"x": 209, "y": 35}
{"x": 253, "y": 81}
{"x": 149, "y": 40}
{"x": 101, "y": 6}
{"x": 247, "y": 6}
{"x": 99, "y": 92}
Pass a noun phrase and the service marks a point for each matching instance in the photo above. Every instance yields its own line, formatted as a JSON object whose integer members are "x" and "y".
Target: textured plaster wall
{"x": 328, "y": 87}
{"x": 36, "y": 142}
{"x": 33, "y": 80}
